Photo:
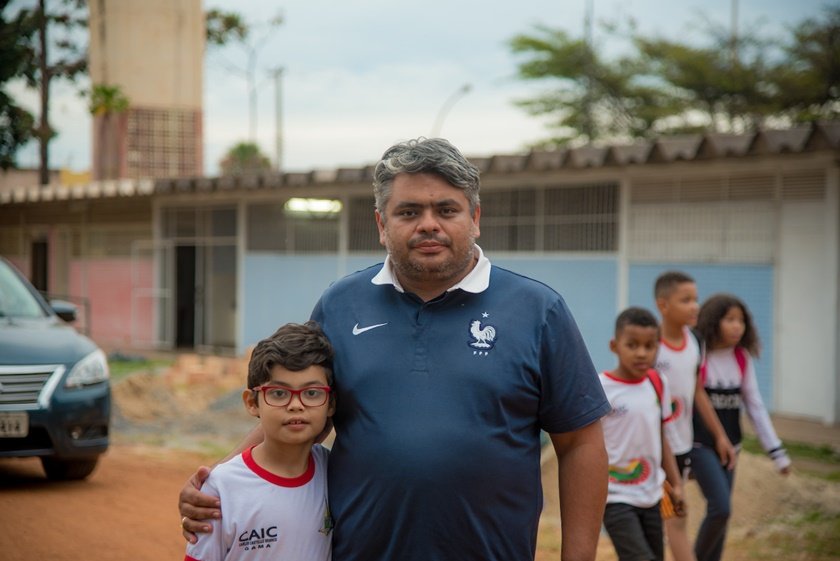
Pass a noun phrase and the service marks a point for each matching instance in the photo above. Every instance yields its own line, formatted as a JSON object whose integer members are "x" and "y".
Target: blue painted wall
{"x": 589, "y": 288}
{"x": 753, "y": 284}
{"x": 280, "y": 289}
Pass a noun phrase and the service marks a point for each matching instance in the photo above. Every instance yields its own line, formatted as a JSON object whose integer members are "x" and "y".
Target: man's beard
{"x": 416, "y": 269}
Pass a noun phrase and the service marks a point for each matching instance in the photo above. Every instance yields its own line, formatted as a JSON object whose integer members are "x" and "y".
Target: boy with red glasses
{"x": 274, "y": 495}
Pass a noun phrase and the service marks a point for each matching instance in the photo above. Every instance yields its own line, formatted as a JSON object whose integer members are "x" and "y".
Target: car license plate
{"x": 14, "y": 425}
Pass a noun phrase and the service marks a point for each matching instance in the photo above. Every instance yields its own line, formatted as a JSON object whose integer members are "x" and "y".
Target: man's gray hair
{"x": 425, "y": 155}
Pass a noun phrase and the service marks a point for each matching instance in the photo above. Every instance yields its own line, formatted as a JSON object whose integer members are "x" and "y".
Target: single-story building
{"x": 215, "y": 264}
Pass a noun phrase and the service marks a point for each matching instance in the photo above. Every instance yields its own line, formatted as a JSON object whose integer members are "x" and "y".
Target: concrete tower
{"x": 154, "y": 52}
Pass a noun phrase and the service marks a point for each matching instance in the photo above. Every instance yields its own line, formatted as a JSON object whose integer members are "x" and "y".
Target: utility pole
{"x": 733, "y": 39}
{"x": 278, "y": 115}
{"x": 589, "y": 124}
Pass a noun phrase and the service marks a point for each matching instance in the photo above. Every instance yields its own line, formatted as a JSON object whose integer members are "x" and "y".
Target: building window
{"x": 562, "y": 218}
{"x": 163, "y": 143}
{"x": 363, "y": 234}
{"x": 288, "y": 227}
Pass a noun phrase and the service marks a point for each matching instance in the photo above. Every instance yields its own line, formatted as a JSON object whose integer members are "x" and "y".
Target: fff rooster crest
{"x": 484, "y": 337}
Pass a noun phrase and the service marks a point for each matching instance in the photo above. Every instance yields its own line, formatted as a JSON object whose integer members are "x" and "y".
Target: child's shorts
{"x": 684, "y": 466}
{"x": 636, "y": 532}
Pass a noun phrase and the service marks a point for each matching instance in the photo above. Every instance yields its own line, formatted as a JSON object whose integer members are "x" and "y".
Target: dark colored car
{"x": 55, "y": 397}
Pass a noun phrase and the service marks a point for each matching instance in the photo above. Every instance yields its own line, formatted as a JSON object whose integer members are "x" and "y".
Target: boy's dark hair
{"x": 293, "y": 346}
{"x": 635, "y": 316}
{"x": 714, "y": 309}
{"x": 668, "y": 281}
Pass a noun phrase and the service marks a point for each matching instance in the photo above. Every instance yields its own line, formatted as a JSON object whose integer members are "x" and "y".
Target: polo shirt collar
{"x": 476, "y": 280}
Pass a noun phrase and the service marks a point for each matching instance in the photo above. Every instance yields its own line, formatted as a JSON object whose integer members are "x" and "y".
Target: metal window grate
{"x": 163, "y": 143}
{"x": 271, "y": 228}
{"x": 703, "y": 189}
{"x": 706, "y": 232}
{"x": 580, "y": 218}
{"x": 363, "y": 234}
{"x": 752, "y": 187}
{"x": 712, "y": 188}
{"x": 807, "y": 185}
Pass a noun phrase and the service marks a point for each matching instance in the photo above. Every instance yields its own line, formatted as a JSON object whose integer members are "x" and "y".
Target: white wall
{"x": 806, "y": 321}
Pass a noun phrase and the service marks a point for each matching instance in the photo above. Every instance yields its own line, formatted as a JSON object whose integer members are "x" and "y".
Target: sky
{"x": 360, "y": 75}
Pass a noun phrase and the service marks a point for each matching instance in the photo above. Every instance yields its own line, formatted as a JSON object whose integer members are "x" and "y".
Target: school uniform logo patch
{"x": 483, "y": 336}
{"x": 635, "y": 472}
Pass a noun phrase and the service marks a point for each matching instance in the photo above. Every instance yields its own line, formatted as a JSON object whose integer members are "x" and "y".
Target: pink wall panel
{"x": 119, "y": 315}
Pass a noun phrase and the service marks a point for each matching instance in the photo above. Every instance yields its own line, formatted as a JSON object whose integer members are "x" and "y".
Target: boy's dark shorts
{"x": 636, "y": 532}
{"x": 684, "y": 465}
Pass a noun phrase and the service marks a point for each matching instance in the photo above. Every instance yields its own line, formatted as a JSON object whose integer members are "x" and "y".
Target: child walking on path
{"x": 679, "y": 361}
{"x": 728, "y": 375}
{"x": 639, "y": 456}
{"x": 274, "y": 495}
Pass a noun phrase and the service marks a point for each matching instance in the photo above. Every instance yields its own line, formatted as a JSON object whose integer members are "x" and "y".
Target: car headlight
{"x": 90, "y": 370}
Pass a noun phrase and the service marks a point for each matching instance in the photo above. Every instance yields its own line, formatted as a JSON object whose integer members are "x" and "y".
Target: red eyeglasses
{"x": 279, "y": 396}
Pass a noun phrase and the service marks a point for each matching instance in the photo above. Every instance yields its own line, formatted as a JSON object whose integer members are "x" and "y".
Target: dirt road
{"x": 125, "y": 510}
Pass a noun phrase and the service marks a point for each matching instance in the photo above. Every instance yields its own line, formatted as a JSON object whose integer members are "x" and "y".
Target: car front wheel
{"x": 65, "y": 470}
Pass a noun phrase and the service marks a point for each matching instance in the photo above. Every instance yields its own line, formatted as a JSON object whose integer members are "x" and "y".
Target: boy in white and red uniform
{"x": 274, "y": 495}
{"x": 639, "y": 455}
{"x": 679, "y": 361}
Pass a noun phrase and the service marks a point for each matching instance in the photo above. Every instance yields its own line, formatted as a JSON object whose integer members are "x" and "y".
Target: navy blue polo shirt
{"x": 439, "y": 408}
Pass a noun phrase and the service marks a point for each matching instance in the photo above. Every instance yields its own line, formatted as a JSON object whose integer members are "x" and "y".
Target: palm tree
{"x": 106, "y": 101}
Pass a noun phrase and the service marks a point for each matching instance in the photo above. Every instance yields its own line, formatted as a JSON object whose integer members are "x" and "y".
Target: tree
{"x": 106, "y": 103}
{"x": 223, "y": 27}
{"x": 48, "y": 59}
{"x": 808, "y": 83}
{"x": 593, "y": 99}
{"x": 244, "y": 158}
{"x": 727, "y": 85}
{"x": 15, "y": 122}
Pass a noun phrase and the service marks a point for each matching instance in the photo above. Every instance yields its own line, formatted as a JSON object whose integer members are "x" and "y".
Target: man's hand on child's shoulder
{"x": 196, "y": 507}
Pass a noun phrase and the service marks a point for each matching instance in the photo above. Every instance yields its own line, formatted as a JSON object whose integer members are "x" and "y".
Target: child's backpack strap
{"x": 654, "y": 378}
{"x": 741, "y": 359}
{"x": 701, "y": 367}
{"x": 659, "y": 388}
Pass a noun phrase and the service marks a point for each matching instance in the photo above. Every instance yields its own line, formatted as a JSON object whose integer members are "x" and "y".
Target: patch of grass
{"x": 813, "y": 535}
{"x": 821, "y": 532}
{"x": 797, "y": 450}
{"x": 120, "y": 368}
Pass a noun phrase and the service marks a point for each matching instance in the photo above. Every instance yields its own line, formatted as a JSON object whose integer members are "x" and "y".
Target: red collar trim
{"x": 681, "y": 346}
{"x": 623, "y": 380}
{"x": 298, "y": 481}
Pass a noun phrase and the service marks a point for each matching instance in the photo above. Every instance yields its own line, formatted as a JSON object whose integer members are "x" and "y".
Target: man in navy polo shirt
{"x": 446, "y": 370}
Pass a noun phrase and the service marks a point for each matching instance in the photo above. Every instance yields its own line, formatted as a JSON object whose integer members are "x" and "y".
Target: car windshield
{"x": 15, "y": 298}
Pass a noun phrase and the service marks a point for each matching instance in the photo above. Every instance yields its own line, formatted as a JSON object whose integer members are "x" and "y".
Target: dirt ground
{"x": 164, "y": 428}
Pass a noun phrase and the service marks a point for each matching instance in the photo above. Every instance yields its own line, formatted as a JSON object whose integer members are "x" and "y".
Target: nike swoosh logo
{"x": 357, "y": 330}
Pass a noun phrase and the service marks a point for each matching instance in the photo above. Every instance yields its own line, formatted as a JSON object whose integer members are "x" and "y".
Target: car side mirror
{"x": 65, "y": 310}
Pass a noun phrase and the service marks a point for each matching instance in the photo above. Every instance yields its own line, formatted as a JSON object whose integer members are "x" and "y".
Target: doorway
{"x": 203, "y": 281}
{"x": 40, "y": 264}
{"x": 186, "y": 295}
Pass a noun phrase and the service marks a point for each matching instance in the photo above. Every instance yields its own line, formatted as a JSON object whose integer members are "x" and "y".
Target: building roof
{"x": 697, "y": 147}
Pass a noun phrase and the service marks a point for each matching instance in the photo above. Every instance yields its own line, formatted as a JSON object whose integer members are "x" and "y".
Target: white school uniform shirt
{"x": 679, "y": 367}
{"x": 265, "y": 516}
{"x": 724, "y": 373}
{"x": 633, "y": 437}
